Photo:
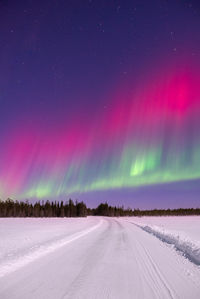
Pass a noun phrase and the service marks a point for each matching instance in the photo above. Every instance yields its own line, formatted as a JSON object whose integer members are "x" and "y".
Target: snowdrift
{"x": 189, "y": 248}
{"x": 12, "y": 263}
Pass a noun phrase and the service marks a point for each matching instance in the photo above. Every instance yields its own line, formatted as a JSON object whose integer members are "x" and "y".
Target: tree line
{"x": 10, "y": 208}
{"x": 167, "y": 212}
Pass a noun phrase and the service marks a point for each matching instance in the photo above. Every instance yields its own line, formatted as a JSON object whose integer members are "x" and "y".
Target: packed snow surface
{"x": 100, "y": 257}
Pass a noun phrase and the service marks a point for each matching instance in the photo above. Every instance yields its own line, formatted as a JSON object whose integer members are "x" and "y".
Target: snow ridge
{"x": 189, "y": 248}
{"x": 12, "y": 265}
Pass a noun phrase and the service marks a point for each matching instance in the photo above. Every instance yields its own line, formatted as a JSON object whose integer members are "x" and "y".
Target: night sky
{"x": 100, "y": 101}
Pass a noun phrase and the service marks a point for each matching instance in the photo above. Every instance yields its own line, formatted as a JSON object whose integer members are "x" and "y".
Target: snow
{"x": 100, "y": 257}
{"x": 24, "y": 234}
{"x": 21, "y": 258}
{"x": 188, "y": 225}
{"x": 184, "y": 235}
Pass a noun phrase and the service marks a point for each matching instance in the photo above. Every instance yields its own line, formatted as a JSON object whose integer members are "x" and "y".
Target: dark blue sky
{"x": 62, "y": 64}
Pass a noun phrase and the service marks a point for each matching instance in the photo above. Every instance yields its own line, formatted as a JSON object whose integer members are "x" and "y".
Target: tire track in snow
{"x": 92, "y": 259}
{"x": 15, "y": 264}
{"x": 151, "y": 273}
{"x": 157, "y": 273}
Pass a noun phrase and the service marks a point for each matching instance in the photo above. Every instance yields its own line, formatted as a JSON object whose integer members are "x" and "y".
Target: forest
{"x": 10, "y": 208}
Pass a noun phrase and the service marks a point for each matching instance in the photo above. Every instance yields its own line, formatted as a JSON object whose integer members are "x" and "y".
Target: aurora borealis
{"x": 75, "y": 123}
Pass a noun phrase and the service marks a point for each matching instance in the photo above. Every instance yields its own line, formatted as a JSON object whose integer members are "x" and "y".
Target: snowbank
{"x": 16, "y": 260}
{"x": 190, "y": 248}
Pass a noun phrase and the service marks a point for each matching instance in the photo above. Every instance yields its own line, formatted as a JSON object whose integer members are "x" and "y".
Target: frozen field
{"x": 97, "y": 257}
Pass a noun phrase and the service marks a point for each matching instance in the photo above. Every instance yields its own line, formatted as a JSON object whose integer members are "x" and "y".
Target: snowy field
{"x": 99, "y": 257}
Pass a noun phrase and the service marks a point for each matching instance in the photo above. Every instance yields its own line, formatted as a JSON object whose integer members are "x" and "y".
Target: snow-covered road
{"x": 91, "y": 258}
